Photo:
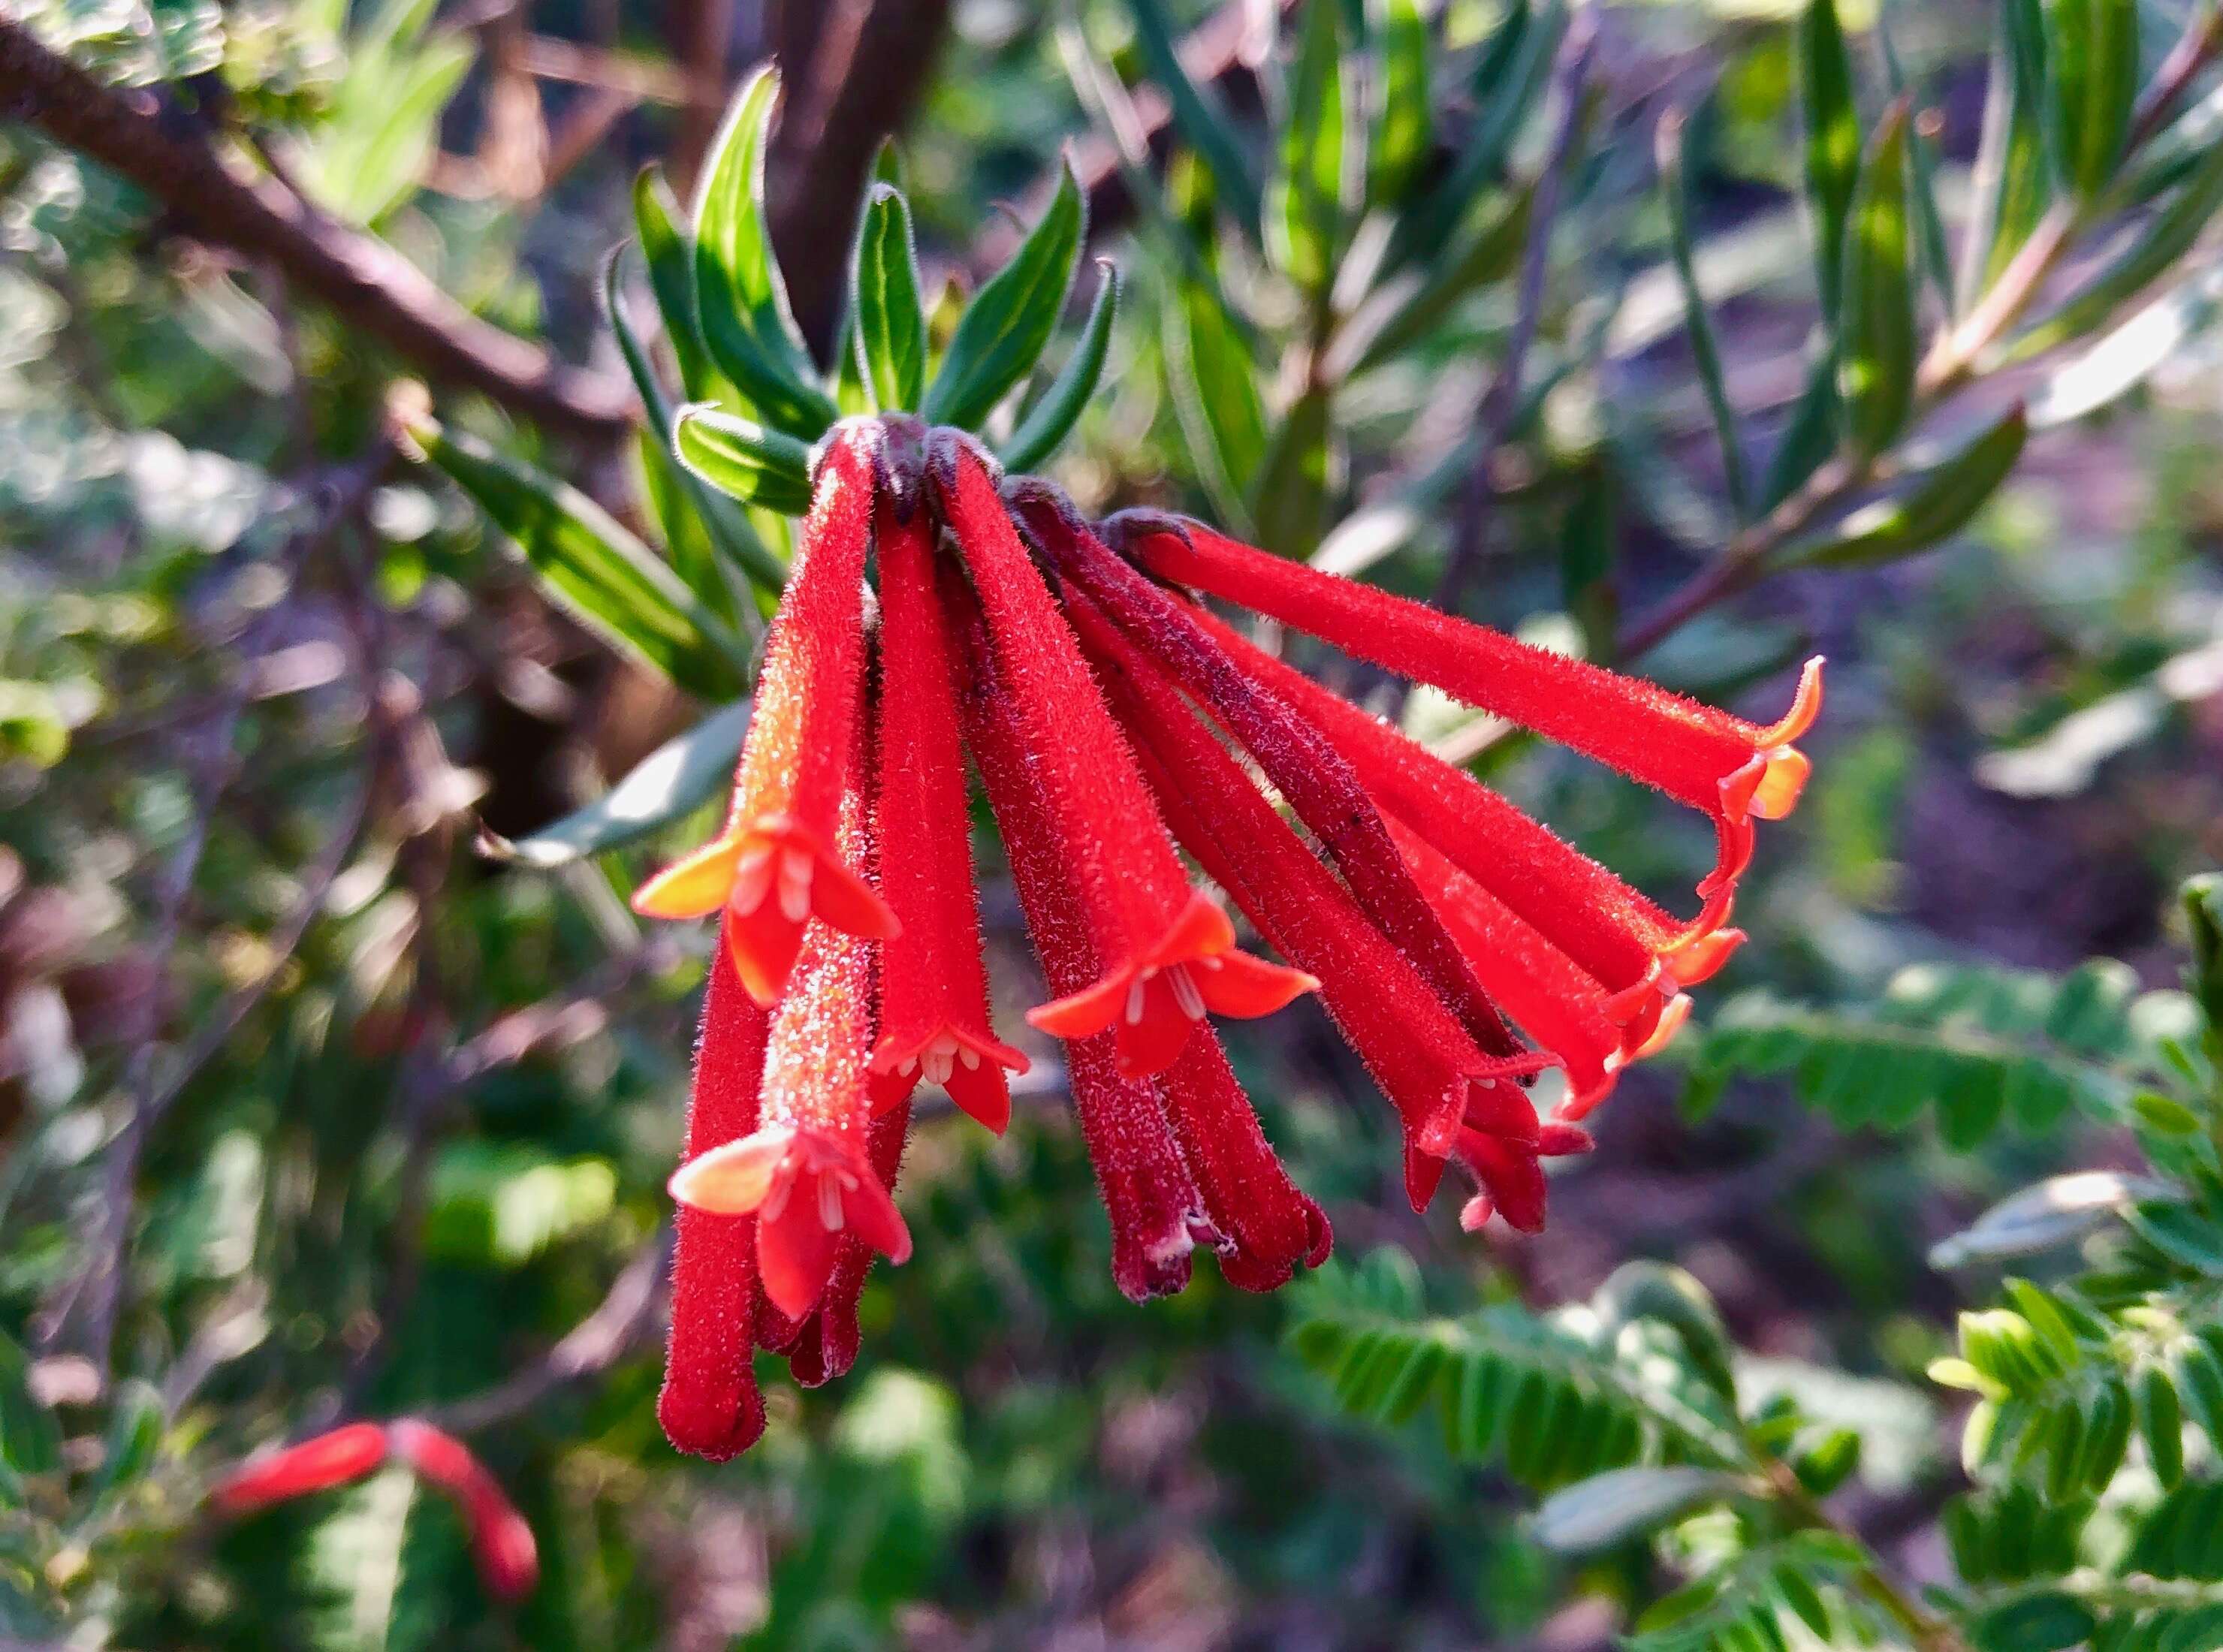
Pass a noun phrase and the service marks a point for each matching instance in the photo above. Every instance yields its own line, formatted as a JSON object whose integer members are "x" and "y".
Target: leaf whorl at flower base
{"x": 1105, "y": 709}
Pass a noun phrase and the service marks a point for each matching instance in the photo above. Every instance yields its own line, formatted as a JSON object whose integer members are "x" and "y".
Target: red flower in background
{"x": 1110, "y": 715}
{"x": 501, "y": 1543}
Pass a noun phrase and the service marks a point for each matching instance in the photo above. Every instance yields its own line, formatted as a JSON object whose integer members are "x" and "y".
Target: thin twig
{"x": 372, "y": 286}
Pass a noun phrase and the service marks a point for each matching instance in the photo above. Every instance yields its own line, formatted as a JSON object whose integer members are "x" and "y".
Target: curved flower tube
{"x": 1733, "y": 770}
{"x": 776, "y": 864}
{"x": 1168, "y": 953}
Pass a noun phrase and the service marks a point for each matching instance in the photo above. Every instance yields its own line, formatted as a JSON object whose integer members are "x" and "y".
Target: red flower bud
{"x": 337, "y": 1458}
{"x": 709, "y": 1406}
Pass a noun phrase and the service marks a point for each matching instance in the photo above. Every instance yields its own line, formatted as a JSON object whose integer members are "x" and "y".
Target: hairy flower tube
{"x": 501, "y": 1543}
{"x": 940, "y": 614}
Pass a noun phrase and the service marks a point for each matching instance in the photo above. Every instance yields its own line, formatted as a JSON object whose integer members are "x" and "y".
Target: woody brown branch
{"x": 368, "y": 284}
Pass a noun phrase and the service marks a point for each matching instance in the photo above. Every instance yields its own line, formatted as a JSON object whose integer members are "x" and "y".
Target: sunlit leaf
{"x": 1004, "y": 329}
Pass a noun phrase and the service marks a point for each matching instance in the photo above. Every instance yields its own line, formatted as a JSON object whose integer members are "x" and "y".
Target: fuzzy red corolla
{"x": 1732, "y": 769}
{"x": 776, "y": 864}
{"x": 501, "y": 1543}
{"x": 805, "y": 1171}
{"x": 1440, "y": 1082}
{"x": 709, "y": 1405}
{"x": 1165, "y": 951}
{"x": 934, "y": 986}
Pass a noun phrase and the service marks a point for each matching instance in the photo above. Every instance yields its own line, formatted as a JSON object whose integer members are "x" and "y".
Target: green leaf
{"x": 1935, "y": 250}
{"x": 666, "y": 785}
{"x": 2092, "y": 64}
{"x": 1003, "y": 331}
{"x": 1306, "y": 195}
{"x": 743, "y": 459}
{"x": 695, "y": 519}
{"x": 1058, "y": 408}
{"x": 2120, "y": 360}
{"x": 2045, "y": 1622}
{"x": 1875, "y": 323}
{"x": 1509, "y": 82}
{"x": 501, "y": 1205}
{"x": 1937, "y": 503}
{"x": 739, "y": 296}
{"x": 1403, "y": 311}
{"x": 1402, "y": 132}
{"x": 2043, "y": 1217}
{"x": 1216, "y": 393}
{"x": 2183, "y": 1235}
{"x": 1288, "y": 506}
{"x": 891, "y": 322}
{"x": 1199, "y": 116}
{"x": 606, "y": 578}
{"x": 1658, "y": 1290}
{"x": 2014, "y": 173}
{"x": 1622, "y": 1503}
{"x": 2165, "y": 239}
{"x": 136, "y": 1422}
{"x": 671, "y": 276}
{"x": 1812, "y": 433}
{"x": 1833, "y": 141}
{"x": 30, "y": 1438}
{"x": 1705, "y": 353}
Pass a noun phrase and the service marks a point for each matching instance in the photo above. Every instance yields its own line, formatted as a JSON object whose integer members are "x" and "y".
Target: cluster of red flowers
{"x": 1110, "y": 716}
{"x": 501, "y": 1543}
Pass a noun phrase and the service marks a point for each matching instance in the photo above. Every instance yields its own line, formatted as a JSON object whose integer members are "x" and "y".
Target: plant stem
{"x": 1925, "y": 1629}
{"x": 1950, "y": 365}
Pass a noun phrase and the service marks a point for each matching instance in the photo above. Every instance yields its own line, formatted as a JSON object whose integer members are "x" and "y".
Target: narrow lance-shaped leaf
{"x": 1705, "y": 353}
{"x": 1306, "y": 197}
{"x": 2164, "y": 240}
{"x": 1623, "y": 1503}
{"x": 1929, "y": 221}
{"x": 668, "y": 784}
{"x": 1509, "y": 80}
{"x": 2014, "y": 181}
{"x": 2092, "y": 69}
{"x": 608, "y": 579}
{"x": 1003, "y": 331}
{"x": 1199, "y": 116}
{"x": 1402, "y": 312}
{"x": 671, "y": 277}
{"x": 1938, "y": 504}
{"x": 1288, "y": 506}
{"x": 741, "y": 457}
{"x": 715, "y": 522}
{"x": 1216, "y": 393}
{"x": 1811, "y": 432}
{"x": 1875, "y": 333}
{"x": 30, "y": 1438}
{"x": 1833, "y": 140}
{"x": 891, "y": 322}
{"x": 1402, "y": 132}
{"x": 1053, "y": 414}
{"x": 739, "y": 296}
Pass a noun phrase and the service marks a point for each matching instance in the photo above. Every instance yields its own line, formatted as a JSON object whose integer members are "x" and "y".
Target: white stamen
{"x": 829, "y": 1202}
{"x": 794, "y": 885}
{"x": 1210, "y": 961}
{"x": 1135, "y": 1002}
{"x": 752, "y": 878}
{"x": 776, "y": 1200}
{"x": 969, "y": 1057}
{"x": 1186, "y": 991}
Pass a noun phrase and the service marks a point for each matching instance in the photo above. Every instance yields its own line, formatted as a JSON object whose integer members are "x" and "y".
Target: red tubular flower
{"x": 934, "y": 986}
{"x": 1309, "y": 773}
{"x": 1269, "y": 1226}
{"x": 709, "y": 1406}
{"x": 776, "y": 864}
{"x": 1641, "y": 953}
{"x": 1167, "y": 951}
{"x": 1157, "y": 1215}
{"x": 501, "y": 1542}
{"x": 805, "y": 1172}
{"x": 824, "y": 1345}
{"x": 1440, "y": 1082}
{"x": 1732, "y": 769}
{"x": 337, "y": 1458}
